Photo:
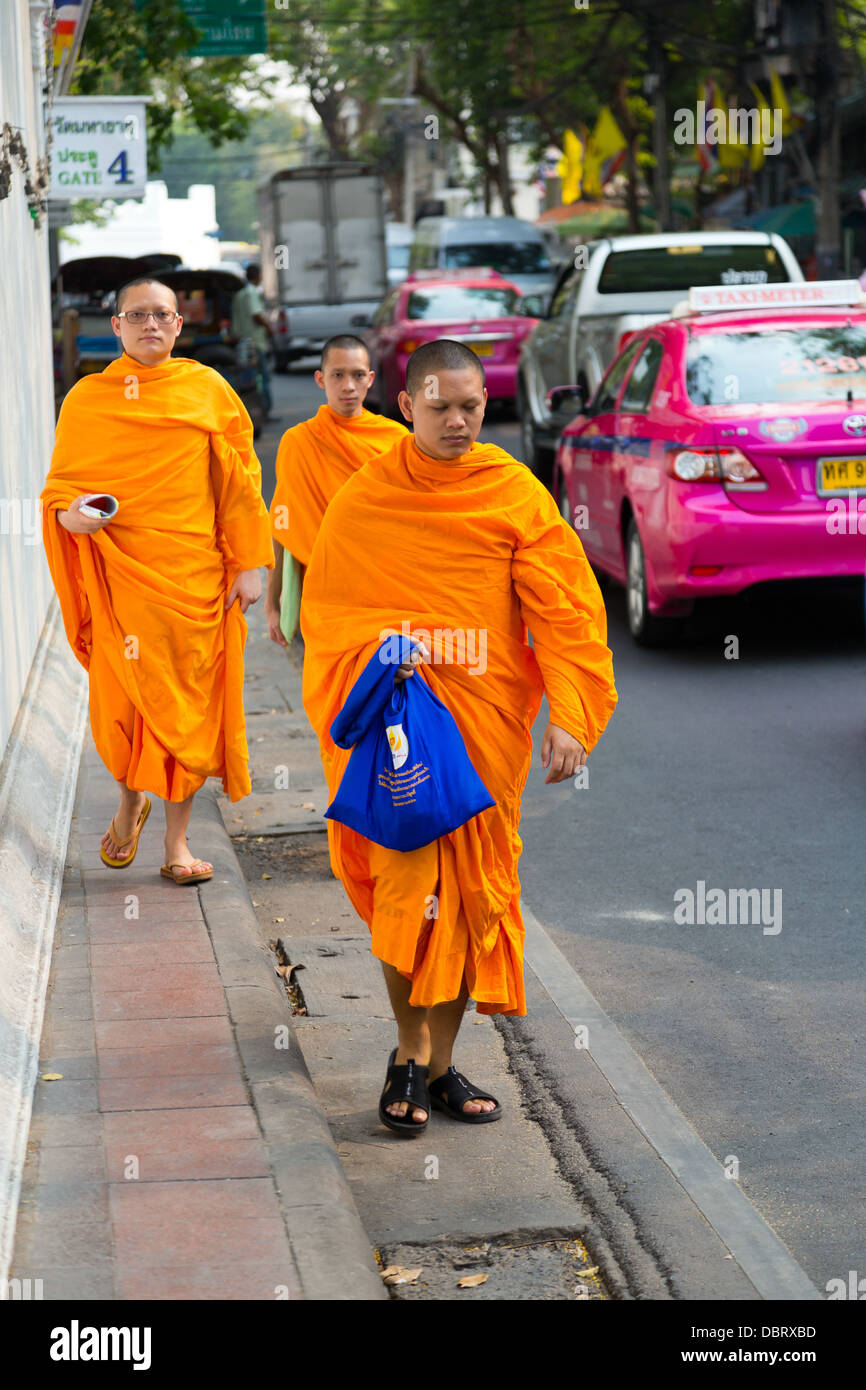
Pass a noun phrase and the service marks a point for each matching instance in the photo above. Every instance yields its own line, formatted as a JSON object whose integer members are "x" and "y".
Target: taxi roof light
{"x": 806, "y": 294}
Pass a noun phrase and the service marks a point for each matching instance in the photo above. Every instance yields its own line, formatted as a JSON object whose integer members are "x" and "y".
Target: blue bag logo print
{"x": 409, "y": 779}
{"x": 398, "y": 744}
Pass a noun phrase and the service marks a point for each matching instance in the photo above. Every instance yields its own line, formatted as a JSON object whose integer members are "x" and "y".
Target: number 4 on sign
{"x": 119, "y": 167}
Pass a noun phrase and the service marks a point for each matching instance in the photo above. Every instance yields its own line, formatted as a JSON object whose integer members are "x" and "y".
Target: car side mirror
{"x": 569, "y": 400}
{"x": 533, "y": 306}
{"x": 360, "y": 321}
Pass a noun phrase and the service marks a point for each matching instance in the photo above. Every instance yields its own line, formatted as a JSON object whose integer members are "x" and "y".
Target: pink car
{"x": 479, "y": 307}
{"x": 724, "y": 448}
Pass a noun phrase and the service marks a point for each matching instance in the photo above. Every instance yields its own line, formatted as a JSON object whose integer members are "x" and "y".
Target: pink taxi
{"x": 477, "y": 306}
{"x": 725, "y": 447}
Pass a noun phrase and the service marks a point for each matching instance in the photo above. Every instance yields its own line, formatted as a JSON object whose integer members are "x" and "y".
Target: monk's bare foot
{"x": 125, "y": 821}
{"x": 469, "y": 1107}
{"x": 399, "y": 1107}
{"x": 182, "y": 860}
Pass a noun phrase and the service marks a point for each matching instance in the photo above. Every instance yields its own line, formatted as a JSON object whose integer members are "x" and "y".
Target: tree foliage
{"x": 144, "y": 51}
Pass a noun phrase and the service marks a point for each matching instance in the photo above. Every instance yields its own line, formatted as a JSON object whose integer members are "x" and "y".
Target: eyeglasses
{"x": 137, "y": 317}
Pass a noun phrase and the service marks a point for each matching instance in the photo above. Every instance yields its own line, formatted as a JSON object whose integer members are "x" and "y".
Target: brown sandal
{"x": 136, "y": 834}
{"x": 193, "y": 876}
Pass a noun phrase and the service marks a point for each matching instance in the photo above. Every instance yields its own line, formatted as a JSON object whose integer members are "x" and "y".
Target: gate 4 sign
{"x": 99, "y": 148}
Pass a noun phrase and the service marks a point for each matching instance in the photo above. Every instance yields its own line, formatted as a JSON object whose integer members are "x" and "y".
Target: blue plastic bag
{"x": 409, "y": 779}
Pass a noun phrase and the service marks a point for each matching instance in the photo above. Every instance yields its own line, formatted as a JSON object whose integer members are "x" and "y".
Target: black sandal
{"x": 450, "y": 1093}
{"x": 405, "y": 1082}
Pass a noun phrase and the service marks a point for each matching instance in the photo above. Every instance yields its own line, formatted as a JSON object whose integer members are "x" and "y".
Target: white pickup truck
{"x": 322, "y": 231}
{"x": 611, "y": 288}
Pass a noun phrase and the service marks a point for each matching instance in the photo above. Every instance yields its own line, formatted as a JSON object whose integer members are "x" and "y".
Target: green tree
{"x": 144, "y": 50}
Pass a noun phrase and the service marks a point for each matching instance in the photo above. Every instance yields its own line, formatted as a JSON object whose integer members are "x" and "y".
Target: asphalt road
{"x": 737, "y": 774}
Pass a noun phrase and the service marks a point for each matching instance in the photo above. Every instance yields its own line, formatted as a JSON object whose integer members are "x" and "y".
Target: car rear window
{"x": 679, "y": 267}
{"x": 508, "y": 257}
{"x": 452, "y": 302}
{"x": 819, "y": 363}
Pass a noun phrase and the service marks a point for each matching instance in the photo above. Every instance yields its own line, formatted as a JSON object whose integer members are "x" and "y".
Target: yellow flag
{"x": 605, "y": 151}
{"x": 570, "y": 167}
{"x": 780, "y": 101}
{"x": 733, "y": 151}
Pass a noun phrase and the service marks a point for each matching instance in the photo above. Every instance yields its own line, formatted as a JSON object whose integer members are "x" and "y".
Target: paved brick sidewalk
{"x": 146, "y": 1175}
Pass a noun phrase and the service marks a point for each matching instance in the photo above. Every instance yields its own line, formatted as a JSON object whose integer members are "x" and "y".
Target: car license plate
{"x": 841, "y": 475}
{"x": 481, "y": 349}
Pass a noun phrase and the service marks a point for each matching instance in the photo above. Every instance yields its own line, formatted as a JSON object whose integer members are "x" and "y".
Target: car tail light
{"x": 408, "y": 345}
{"x": 740, "y": 472}
{"x": 623, "y": 339}
{"x": 282, "y": 322}
{"x": 694, "y": 465}
{"x": 729, "y": 466}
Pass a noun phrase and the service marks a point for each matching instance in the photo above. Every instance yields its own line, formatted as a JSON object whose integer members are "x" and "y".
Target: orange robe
{"x": 472, "y": 552}
{"x": 313, "y": 461}
{"x": 143, "y": 600}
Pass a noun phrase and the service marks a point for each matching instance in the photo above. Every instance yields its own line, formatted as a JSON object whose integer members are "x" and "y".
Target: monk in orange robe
{"x": 153, "y": 597}
{"x": 316, "y": 457}
{"x": 457, "y": 545}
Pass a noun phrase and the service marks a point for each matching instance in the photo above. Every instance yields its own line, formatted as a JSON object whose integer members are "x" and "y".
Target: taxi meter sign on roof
{"x": 810, "y": 294}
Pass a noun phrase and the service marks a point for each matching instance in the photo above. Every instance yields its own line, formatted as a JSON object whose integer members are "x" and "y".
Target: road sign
{"x": 99, "y": 149}
{"x": 230, "y": 26}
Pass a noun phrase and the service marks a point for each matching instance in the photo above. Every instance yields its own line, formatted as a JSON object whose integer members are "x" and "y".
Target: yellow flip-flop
{"x": 167, "y": 871}
{"x": 124, "y": 863}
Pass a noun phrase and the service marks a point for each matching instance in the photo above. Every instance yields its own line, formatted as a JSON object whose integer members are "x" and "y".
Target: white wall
{"x": 26, "y": 380}
{"x": 153, "y": 223}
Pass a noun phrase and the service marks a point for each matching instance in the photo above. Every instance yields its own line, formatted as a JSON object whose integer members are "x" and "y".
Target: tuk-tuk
{"x": 88, "y": 286}
{"x": 204, "y": 300}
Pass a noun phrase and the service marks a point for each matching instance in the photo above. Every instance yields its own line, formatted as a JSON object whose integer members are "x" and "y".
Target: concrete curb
{"x": 331, "y": 1249}
{"x": 37, "y": 794}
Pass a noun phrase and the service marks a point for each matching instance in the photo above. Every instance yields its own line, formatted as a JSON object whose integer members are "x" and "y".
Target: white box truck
{"x": 322, "y": 232}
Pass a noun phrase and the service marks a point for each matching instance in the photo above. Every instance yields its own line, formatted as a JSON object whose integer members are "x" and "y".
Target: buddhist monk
{"x": 459, "y": 546}
{"x": 316, "y": 457}
{"x": 153, "y": 597}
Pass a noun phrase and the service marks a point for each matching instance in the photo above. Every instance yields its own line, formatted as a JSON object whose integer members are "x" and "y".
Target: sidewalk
{"x": 181, "y": 1152}
{"x": 460, "y": 1199}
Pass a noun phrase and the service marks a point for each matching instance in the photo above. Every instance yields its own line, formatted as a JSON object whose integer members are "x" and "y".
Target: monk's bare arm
{"x": 72, "y": 520}
{"x": 273, "y": 595}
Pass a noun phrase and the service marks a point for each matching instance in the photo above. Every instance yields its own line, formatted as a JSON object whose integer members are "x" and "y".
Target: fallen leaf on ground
{"x": 52, "y": 1076}
{"x": 283, "y": 970}
{"x": 238, "y": 820}
{"x": 584, "y": 1273}
{"x": 266, "y": 875}
{"x": 255, "y": 904}
{"x": 471, "y": 1281}
{"x": 398, "y": 1274}
{"x": 279, "y": 919}
{"x": 307, "y": 806}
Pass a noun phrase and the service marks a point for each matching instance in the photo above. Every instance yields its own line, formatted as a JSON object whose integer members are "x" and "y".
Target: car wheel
{"x": 647, "y": 630}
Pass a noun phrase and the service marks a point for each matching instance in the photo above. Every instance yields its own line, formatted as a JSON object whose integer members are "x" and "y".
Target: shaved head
{"x": 443, "y": 355}
{"x": 142, "y": 280}
{"x": 347, "y": 341}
